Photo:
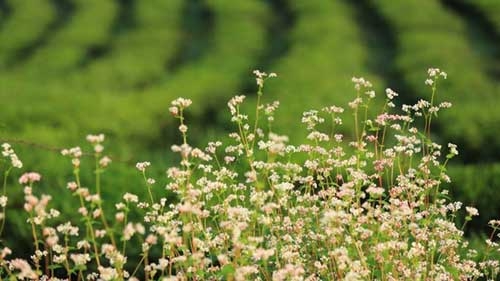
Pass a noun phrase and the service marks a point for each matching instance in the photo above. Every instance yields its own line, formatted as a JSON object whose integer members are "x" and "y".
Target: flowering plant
{"x": 366, "y": 207}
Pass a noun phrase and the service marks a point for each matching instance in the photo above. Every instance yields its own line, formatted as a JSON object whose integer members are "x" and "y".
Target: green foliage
{"x": 326, "y": 49}
{"x": 369, "y": 208}
{"x": 477, "y": 185}
{"x": 432, "y": 35}
{"x": 56, "y": 90}
{"x": 27, "y": 22}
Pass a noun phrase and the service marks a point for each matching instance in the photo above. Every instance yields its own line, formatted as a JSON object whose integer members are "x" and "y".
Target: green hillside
{"x": 73, "y": 67}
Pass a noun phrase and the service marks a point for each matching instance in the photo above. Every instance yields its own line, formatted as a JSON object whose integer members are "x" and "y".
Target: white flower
{"x": 80, "y": 259}
{"x": 472, "y": 211}
{"x": 141, "y": 166}
{"x": 3, "y": 201}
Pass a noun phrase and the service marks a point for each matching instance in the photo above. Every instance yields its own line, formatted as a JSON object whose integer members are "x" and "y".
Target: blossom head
{"x": 29, "y": 178}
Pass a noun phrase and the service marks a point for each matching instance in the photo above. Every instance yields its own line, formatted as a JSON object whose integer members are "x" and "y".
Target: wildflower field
{"x": 367, "y": 207}
{"x": 307, "y": 178}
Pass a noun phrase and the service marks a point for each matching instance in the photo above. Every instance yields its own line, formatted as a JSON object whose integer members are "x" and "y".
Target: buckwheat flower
{"x": 107, "y": 273}
{"x": 83, "y": 244}
{"x": 68, "y": 229}
{"x": 243, "y": 273}
{"x": 229, "y": 159}
{"x": 80, "y": 259}
{"x": 317, "y": 136}
{"x": 98, "y": 148}
{"x": 75, "y": 152}
{"x": 53, "y": 213}
{"x": 182, "y": 103}
{"x": 151, "y": 239}
{"x": 453, "y": 148}
{"x": 183, "y": 128}
{"x": 104, "y": 161}
{"x": 433, "y": 71}
{"x": 360, "y": 82}
{"x": 100, "y": 233}
{"x": 262, "y": 254}
{"x": 433, "y": 109}
{"x": 355, "y": 103}
{"x": 6, "y": 149}
{"x": 150, "y": 181}
{"x": 390, "y": 93}
{"x": 494, "y": 223}
{"x": 223, "y": 259}
{"x": 371, "y": 138}
{"x": 471, "y": 211}
{"x": 338, "y": 137}
{"x": 141, "y": 166}
{"x": 59, "y": 258}
{"x": 82, "y": 191}
{"x": 52, "y": 240}
{"x": 234, "y": 102}
{"x": 375, "y": 191}
{"x": 3, "y": 201}
{"x": 94, "y": 198}
{"x": 30, "y": 177}
{"x": 26, "y": 272}
{"x": 174, "y": 110}
{"x": 129, "y": 197}
{"x": 352, "y": 276}
{"x": 259, "y": 77}
{"x": 333, "y": 109}
{"x": 370, "y": 94}
{"x": 128, "y": 231}
{"x": 429, "y": 82}
{"x": 9, "y": 152}
{"x": 445, "y": 104}
{"x": 5, "y": 252}
{"x": 72, "y": 185}
{"x": 16, "y": 163}
{"x": 120, "y": 216}
{"x": 258, "y": 73}
{"x": 251, "y": 176}
{"x": 96, "y": 213}
{"x": 120, "y": 206}
{"x": 94, "y": 139}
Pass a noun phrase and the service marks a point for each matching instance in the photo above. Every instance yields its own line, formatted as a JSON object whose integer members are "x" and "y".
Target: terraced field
{"x": 72, "y": 67}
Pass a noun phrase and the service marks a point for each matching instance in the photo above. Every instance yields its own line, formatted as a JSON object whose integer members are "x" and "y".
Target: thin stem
{"x": 256, "y": 122}
{"x": 4, "y": 193}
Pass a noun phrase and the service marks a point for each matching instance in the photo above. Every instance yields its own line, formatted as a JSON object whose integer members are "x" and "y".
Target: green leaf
{"x": 227, "y": 270}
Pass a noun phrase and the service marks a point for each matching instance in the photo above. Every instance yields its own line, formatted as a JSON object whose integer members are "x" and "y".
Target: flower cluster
{"x": 9, "y": 152}
{"x": 371, "y": 206}
{"x": 260, "y": 77}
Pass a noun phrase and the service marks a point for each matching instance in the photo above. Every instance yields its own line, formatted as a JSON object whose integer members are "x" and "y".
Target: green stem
{"x": 259, "y": 95}
{"x": 4, "y": 193}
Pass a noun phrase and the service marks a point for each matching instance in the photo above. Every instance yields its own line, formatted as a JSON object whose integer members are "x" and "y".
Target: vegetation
{"x": 26, "y": 24}
{"x": 248, "y": 210}
{"x": 72, "y": 67}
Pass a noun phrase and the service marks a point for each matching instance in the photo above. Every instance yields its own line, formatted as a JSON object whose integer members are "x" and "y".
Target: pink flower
{"x": 30, "y": 177}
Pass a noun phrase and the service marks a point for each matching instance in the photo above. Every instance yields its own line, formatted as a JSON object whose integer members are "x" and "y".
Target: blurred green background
{"x": 73, "y": 67}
